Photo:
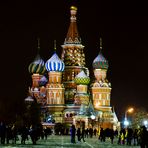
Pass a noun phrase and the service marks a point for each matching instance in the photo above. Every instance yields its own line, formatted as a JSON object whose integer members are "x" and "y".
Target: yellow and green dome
{"x": 82, "y": 78}
{"x": 37, "y": 66}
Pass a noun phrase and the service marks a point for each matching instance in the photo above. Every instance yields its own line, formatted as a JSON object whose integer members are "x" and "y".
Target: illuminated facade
{"x": 67, "y": 95}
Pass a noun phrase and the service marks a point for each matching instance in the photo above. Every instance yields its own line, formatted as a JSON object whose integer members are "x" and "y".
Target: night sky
{"x": 122, "y": 26}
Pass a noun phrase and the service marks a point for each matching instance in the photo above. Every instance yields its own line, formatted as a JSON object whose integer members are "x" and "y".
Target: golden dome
{"x": 73, "y": 8}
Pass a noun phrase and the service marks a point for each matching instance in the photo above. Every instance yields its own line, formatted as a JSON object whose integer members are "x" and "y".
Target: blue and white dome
{"x": 55, "y": 64}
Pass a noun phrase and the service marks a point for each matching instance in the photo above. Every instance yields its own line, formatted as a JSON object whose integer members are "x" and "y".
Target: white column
{"x": 54, "y": 98}
{"x": 100, "y": 95}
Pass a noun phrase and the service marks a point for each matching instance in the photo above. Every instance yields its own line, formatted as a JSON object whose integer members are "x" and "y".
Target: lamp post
{"x": 92, "y": 118}
{"x": 130, "y": 110}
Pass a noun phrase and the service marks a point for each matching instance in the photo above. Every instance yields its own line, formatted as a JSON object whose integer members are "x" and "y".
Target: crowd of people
{"x": 11, "y": 133}
{"x": 126, "y": 136}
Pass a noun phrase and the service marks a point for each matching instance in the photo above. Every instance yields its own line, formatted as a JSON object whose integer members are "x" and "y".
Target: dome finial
{"x": 73, "y": 8}
{"x": 100, "y": 44}
{"x": 73, "y": 11}
{"x": 54, "y": 45}
{"x": 38, "y": 39}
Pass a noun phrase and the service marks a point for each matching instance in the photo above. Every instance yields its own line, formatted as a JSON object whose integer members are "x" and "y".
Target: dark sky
{"x": 122, "y": 25}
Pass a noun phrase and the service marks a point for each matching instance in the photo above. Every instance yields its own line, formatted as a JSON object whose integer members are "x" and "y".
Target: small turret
{"x": 100, "y": 62}
{"x": 100, "y": 65}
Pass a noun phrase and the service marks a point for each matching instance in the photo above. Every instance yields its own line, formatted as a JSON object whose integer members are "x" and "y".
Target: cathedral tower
{"x": 54, "y": 88}
{"x": 37, "y": 69}
{"x": 73, "y": 57}
{"x": 101, "y": 90}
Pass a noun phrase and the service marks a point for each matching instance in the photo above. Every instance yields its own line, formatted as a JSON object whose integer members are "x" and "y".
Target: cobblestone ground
{"x": 64, "y": 142}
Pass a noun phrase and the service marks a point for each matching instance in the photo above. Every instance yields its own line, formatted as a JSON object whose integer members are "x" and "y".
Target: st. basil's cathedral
{"x": 68, "y": 95}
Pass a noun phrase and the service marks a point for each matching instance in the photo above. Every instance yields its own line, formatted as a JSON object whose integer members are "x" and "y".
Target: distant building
{"x": 68, "y": 95}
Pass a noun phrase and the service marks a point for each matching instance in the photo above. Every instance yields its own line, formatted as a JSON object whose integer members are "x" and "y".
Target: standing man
{"x": 79, "y": 134}
{"x": 83, "y": 134}
{"x": 73, "y": 133}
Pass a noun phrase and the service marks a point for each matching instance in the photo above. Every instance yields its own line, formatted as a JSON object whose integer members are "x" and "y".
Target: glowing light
{"x": 97, "y": 104}
{"x": 145, "y": 122}
{"x": 92, "y": 117}
{"x": 126, "y": 123}
{"x": 130, "y": 110}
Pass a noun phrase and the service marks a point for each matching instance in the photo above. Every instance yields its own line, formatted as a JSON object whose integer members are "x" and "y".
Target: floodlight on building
{"x": 92, "y": 117}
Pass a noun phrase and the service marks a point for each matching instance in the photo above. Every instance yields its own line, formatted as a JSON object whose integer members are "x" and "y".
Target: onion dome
{"x": 38, "y": 65}
{"x": 82, "y": 78}
{"x": 29, "y": 99}
{"x": 43, "y": 81}
{"x": 100, "y": 62}
{"x": 36, "y": 90}
{"x": 55, "y": 63}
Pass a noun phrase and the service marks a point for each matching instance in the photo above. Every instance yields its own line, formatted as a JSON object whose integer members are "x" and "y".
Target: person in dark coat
{"x": 73, "y": 133}
{"x": 83, "y": 134}
{"x": 95, "y": 132}
{"x": 2, "y": 132}
{"x": 135, "y": 137}
{"x": 34, "y": 134}
{"x": 129, "y": 136}
{"x": 91, "y": 132}
{"x": 8, "y": 133}
{"x": 86, "y": 133}
{"x": 143, "y": 137}
{"x": 24, "y": 134}
{"x": 14, "y": 134}
{"x": 102, "y": 135}
{"x": 79, "y": 134}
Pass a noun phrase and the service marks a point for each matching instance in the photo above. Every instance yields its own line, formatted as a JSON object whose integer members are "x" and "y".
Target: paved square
{"x": 55, "y": 141}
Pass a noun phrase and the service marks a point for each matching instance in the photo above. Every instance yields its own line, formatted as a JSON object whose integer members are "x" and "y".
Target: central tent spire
{"x": 73, "y": 35}
{"x": 72, "y": 53}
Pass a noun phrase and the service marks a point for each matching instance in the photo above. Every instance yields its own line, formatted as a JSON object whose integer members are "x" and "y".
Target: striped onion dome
{"x": 37, "y": 66}
{"x": 43, "y": 81}
{"x": 55, "y": 64}
{"x": 82, "y": 78}
{"x": 100, "y": 62}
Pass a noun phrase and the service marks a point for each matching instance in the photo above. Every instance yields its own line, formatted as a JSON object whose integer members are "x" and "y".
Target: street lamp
{"x": 92, "y": 117}
{"x": 126, "y": 122}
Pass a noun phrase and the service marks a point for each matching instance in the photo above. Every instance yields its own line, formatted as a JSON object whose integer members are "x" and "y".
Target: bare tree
{"x": 139, "y": 116}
